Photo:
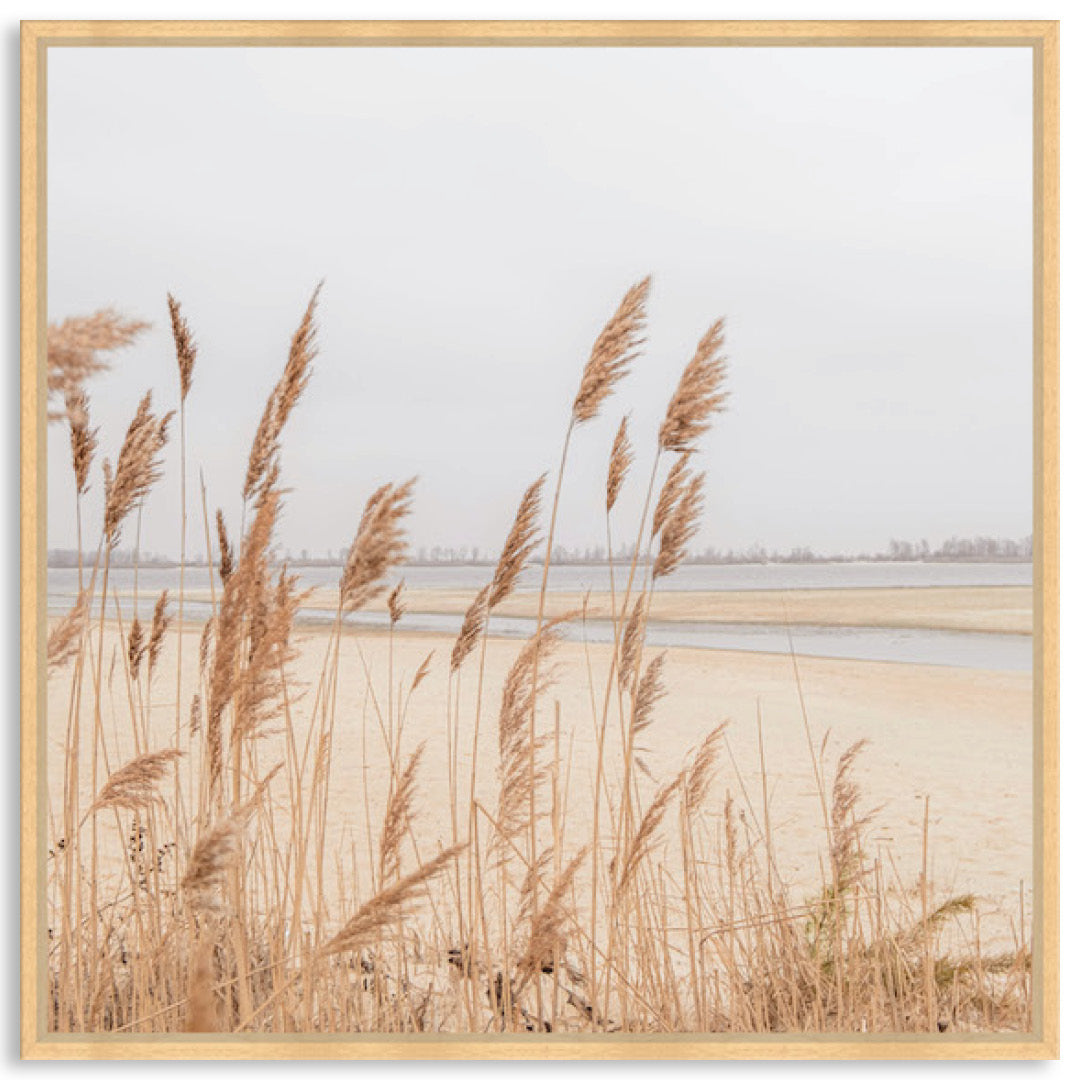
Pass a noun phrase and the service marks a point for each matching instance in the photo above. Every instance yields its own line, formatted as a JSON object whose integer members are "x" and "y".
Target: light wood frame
{"x": 1040, "y": 37}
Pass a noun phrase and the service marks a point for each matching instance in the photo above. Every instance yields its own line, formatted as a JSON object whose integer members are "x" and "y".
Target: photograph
{"x": 539, "y": 540}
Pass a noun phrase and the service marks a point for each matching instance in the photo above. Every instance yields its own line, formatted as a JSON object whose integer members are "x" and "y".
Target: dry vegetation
{"x": 189, "y": 887}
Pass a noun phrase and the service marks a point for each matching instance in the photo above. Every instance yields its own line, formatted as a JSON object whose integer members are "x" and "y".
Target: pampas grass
{"x": 388, "y": 904}
{"x": 184, "y": 343}
{"x": 399, "y": 809}
{"x": 136, "y": 649}
{"x": 671, "y": 491}
{"x": 615, "y": 349}
{"x": 134, "y": 785}
{"x": 521, "y": 542}
{"x": 138, "y": 467}
{"x": 159, "y": 624}
{"x": 74, "y": 351}
{"x": 378, "y": 547}
{"x": 622, "y": 457}
{"x": 210, "y": 861}
{"x": 680, "y": 527}
{"x": 225, "y": 549}
{"x": 472, "y": 626}
{"x": 699, "y": 394}
{"x": 63, "y": 643}
{"x": 633, "y": 639}
{"x": 234, "y": 901}
{"x": 266, "y": 446}
{"x": 83, "y": 439}
{"x": 395, "y": 603}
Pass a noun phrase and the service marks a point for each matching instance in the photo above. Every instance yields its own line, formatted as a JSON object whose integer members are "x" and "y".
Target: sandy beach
{"x": 990, "y": 609}
{"x": 963, "y": 738}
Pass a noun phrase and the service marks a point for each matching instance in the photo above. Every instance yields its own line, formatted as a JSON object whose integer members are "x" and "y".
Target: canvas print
{"x": 540, "y": 542}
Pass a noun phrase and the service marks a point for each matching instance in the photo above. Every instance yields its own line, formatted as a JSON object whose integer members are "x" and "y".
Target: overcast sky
{"x": 862, "y": 217}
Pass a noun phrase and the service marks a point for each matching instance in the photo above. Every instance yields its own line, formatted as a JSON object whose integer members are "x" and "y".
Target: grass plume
{"x": 75, "y": 351}
{"x": 521, "y": 542}
{"x": 698, "y": 396}
{"x": 185, "y": 346}
{"x": 613, "y": 352}
{"x": 138, "y": 467}
{"x": 379, "y": 545}
{"x": 217, "y": 896}
{"x": 134, "y": 786}
{"x": 622, "y": 457}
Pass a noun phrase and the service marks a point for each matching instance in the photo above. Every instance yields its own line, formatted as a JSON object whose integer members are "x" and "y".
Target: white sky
{"x": 862, "y": 216}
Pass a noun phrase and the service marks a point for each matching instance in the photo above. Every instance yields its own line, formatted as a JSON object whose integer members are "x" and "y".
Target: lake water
{"x": 693, "y": 578}
{"x": 1001, "y": 652}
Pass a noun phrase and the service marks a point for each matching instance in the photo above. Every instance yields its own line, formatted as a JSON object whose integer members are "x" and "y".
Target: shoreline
{"x": 988, "y": 609}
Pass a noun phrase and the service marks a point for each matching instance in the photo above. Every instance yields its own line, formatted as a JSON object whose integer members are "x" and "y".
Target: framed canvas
{"x": 539, "y": 540}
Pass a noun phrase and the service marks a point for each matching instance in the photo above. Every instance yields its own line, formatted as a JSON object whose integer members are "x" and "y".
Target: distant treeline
{"x": 65, "y": 558}
{"x": 955, "y": 549}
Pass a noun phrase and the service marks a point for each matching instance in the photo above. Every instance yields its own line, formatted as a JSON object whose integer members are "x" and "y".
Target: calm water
{"x": 1001, "y": 652}
{"x": 875, "y": 575}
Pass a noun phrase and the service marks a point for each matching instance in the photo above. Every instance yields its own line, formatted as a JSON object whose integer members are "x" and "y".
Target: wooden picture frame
{"x": 40, "y": 39}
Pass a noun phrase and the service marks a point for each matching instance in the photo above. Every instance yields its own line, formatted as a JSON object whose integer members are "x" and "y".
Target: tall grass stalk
{"x": 270, "y": 853}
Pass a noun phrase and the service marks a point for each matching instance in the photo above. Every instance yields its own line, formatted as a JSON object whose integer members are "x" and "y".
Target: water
{"x": 999, "y": 652}
{"x": 968, "y": 649}
{"x": 595, "y": 578}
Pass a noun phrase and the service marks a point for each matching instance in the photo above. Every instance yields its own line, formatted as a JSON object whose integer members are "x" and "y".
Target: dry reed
{"x": 385, "y": 906}
{"x": 185, "y": 346}
{"x": 699, "y": 394}
{"x": 212, "y": 907}
{"x": 521, "y": 542}
{"x": 138, "y": 467}
{"x": 622, "y": 457}
{"x": 282, "y": 400}
{"x": 84, "y": 440}
{"x": 614, "y": 350}
{"x": 680, "y": 527}
{"x": 158, "y": 625}
{"x": 136, "y": 649}
{"x": 396, "y": 821}
{"x": 134, "y": 786}
{"x": 472, "y": 625}
{"x": 210, "y": 861}
{"x": 64, "y": 642}
{"x": 395, "y": 605}
{"x": 671, "y": 491}
{"x": 378, "y": 547}
{"x": 74, "y": 349}
{"x": 225, "y": 549}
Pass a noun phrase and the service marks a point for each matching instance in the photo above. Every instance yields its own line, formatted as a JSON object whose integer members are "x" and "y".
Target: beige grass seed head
{"x": 699, "y": 394}
{"x": 379, "y": 545}
{"x": 472, "y": 626}
{"x": 74, "y": 349}
{"x": 614, "y": 350}
{"x": 138, "y": 467}
{"x": 622, "y": 457}
{"x": 521, "y": 542}
{"x": 65, "y": 638}
{"x": 84, "y": 440}
{"x": 185, "y": 345}
{"x": 680, "y": 528}
{"x": 134, "y": 786}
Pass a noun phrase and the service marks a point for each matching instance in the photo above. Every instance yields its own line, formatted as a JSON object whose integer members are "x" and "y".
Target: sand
{"x": 991, "y": 609}
{"x": 962, "y": 738}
